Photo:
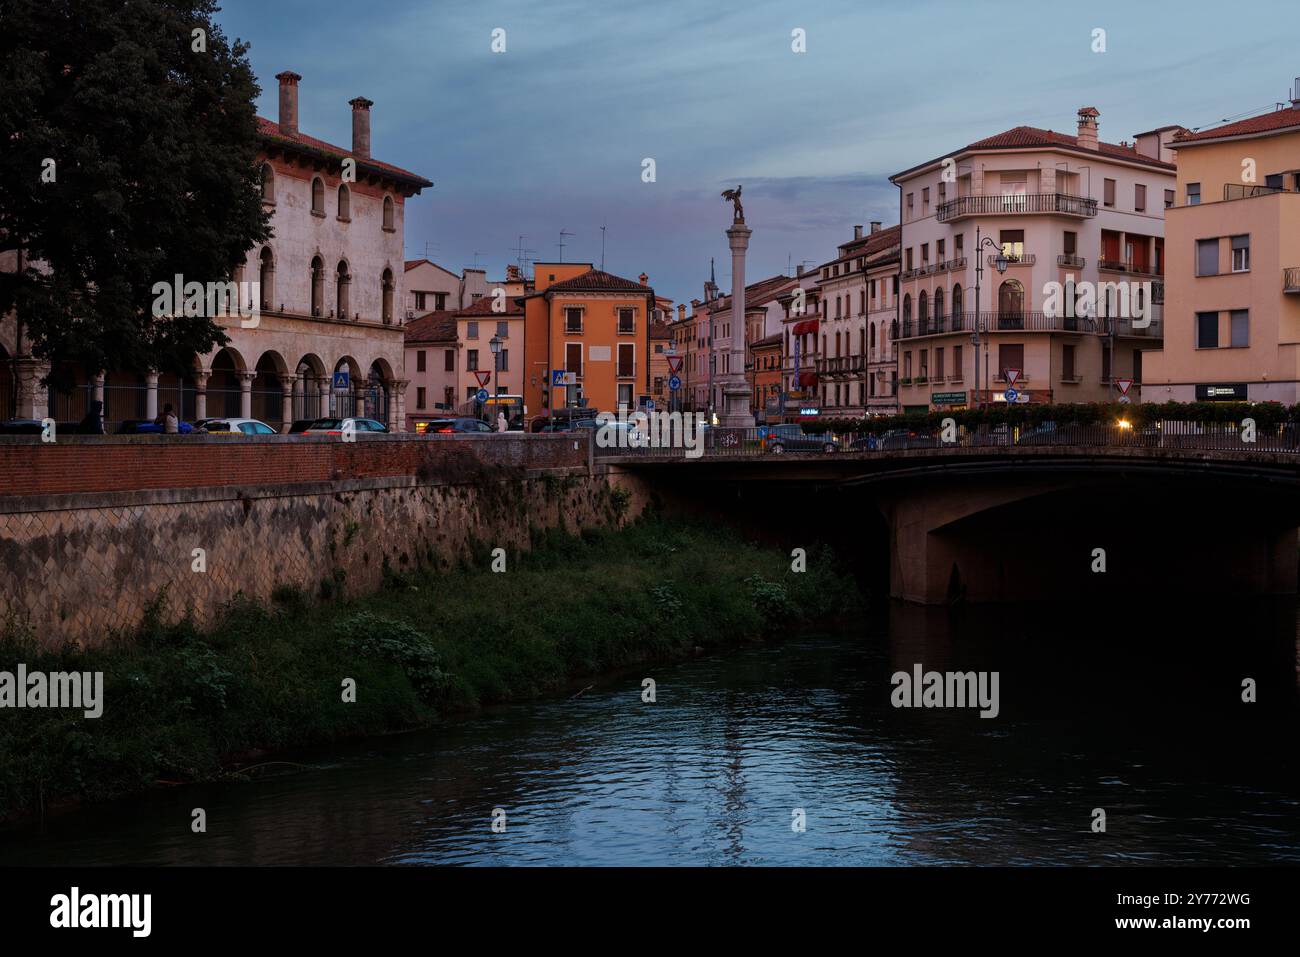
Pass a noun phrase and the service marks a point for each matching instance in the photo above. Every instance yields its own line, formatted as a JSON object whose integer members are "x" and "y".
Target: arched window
{"x": 387, "y": 284}
{"x": 388, "y": 212}
{"x": 345, "y": 203}
{"x": 342, "y": 280}
{"x": 317, "y": 285}
{"x": 1011, "y": 305}
{"x": 907, "y": 308}
{"x": 957, "y": 306}
{"x": 266, "y": 277}
{"x": 268, "y": 183}
{"x": 318, "y": 196}
{"x": 893, "y": 329}
{"x": 922, "y": 313}
{"x": 938, "y": 305}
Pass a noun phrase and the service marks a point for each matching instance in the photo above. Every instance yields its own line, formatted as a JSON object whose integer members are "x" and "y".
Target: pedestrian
{"x": 93, "y": 422}
{"x": 168, "y": 420}
{"x": 502, "y": 424}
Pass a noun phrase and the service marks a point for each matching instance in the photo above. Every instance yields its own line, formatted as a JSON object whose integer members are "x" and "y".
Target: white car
{"x": 235, "y": 427}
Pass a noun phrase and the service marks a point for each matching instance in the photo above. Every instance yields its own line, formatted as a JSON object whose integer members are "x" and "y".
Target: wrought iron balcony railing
{"x": 1011, "y": 204}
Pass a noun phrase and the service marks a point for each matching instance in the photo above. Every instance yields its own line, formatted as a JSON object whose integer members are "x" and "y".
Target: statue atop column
{"x": 738, "y": 215}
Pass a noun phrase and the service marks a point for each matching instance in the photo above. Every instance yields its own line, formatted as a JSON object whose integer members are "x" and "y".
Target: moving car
{"x": 339, "y": 426}
{"x": 234, "y": 427}
{"x": 463, "y": 424}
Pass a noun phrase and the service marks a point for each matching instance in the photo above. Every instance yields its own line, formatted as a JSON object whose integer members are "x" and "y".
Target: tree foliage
{"x": 154, "y": 146}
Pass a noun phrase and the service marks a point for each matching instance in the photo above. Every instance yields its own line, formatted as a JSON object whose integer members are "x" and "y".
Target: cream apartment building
{"x": 1036, "y": 208}
{"x": 1233, "y": 302}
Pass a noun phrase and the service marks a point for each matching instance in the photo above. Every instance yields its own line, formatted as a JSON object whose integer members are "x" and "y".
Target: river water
{"x": 1135, "y": 713}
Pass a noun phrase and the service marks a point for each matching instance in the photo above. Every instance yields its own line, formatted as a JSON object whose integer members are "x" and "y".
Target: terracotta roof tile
{"x": 271, "y": 130}
{"x": 1266, "y": 123}
{"x": 596, "y": 280}
{"x": 483, "y": 307}
{"x": 439, "y": 326}
{"x": 1029, "y": 137}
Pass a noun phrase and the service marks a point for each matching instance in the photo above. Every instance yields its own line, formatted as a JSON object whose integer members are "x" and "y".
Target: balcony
{"x": 841, "y": 365}
{"x": 1071, "y": 261}
{"x": 1024, "y": 259}
{"x": 1016, "y": 204}
{"x": 1246, "y": 191}
{"x": 935, "y": 326}
{"x": 1023, "y": 321}
{"x": 1125, "y": 327}
{"x": 1291, "y": 279}
{"x": 1123, "y": 265}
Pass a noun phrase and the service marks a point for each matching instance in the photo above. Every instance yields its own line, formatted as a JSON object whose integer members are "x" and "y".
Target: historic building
{"x": 432, "y": 367}
{"x": 1232, "y": 305}
{"x": 491, "y": 336}
{"x": 433, "y": 288}
{"x": 327, "y": 337}
{"x": 1040, "y": 211}
{"x": 590, "y": 324}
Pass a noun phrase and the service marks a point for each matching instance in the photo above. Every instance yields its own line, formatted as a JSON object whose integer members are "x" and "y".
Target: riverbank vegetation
{"x": 181, "y": 704}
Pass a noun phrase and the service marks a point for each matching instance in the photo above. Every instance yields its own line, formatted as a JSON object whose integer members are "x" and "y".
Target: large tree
{"x": 152, "y": 132}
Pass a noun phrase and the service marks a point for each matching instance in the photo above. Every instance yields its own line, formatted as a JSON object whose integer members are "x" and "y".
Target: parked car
{"x": 147, "y": 427}
{"x": 234, "y": 427}
{"x": 792, "y": 438}
{"x": 907, "y": 439}
{"x": 461, "y": 425}
{"x": 300, "y": 426}
{"x": 338, "y": 426}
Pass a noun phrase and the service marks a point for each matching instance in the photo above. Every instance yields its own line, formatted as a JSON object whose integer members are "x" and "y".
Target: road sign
{"x": 559, "y": 377}
{"x": 674, "y": 364}
{"x": 1012, "y": 376}
{"x": 481, "y": 395}
{"x": 1123, "y": 385}
{"x": 1011, "y": 394}
{"x": 342, "y": 381}
{"x": 649, "y": 405}
{"x": 674, "y": 383}
{"x": 482, "y": 378}
{"x": 1124, "y": 400}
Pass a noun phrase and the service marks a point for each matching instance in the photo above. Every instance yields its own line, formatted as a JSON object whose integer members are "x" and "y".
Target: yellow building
{"x": 1232, "y": 301}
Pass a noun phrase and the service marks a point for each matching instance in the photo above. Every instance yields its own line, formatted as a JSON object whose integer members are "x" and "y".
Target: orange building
{"x": 594, "y": 325}
{"x": 765, "y": 377}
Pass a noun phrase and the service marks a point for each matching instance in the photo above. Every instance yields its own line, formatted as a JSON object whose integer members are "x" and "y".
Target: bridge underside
{"x": 1021, "y": 540}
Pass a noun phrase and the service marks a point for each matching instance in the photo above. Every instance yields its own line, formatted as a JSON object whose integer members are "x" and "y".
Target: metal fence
{"x": 782, "y": 440}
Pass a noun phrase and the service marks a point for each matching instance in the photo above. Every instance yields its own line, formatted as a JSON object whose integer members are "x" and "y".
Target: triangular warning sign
{"x": 1123, "y": 385}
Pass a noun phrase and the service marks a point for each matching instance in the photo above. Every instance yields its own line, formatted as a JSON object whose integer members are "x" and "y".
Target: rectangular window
{"x": 1067, "y": 363}
{"x": 925, "y": 365}
{"x": 1140, "y": 198}
{"x": 572, "y": 319}
{"x": 449, "y": 360}
{"x": 439, "y": 300}
{"x": 1071, "y": 242}
{"x": 1013, "y": 243}
{"x": 925, "y": 197}
{"x": 471, "y": 360}
{"x": 1169, "y": 198}
{"x": 419, "y": 361}
{"x": 925, "y": 253}
{"x": 1193, "y": 194}
{"x": 419, "y": 301}
{"x": 503, "y": 360}
{"x": 573, "y": 358}
{"x": 1010, "y": 356}
{"x": 1207, "y": 257}
{"x": 419, "y": 397}
{"x": 1207, "y": 330}
{"x": 626, "y": 359}
{"x": 957, "y": 372}
{"x": 1241, "y": 254}
{"x": 957, "y": 244}
{"x": 1105, "y": 364}
{"x": 471, "y": 330}
{"x": 909, "y": 258}
{"x": 627, "y": 320}
{"x": 938, "y": 363}
{"x": 625, "y": 395}
{"x": 1240, "y": 328}
{"x": 938, "y": 250}
{"x": 1109, "y": 193}
{"x": 503, "y": 329}
{"x": 907, "y": 365}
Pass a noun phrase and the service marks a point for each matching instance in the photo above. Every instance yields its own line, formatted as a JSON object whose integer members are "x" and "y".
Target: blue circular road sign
{"x": 675, "y": 383}
{"x": 481, "y": 395}
{"x": 1011, "y": 395}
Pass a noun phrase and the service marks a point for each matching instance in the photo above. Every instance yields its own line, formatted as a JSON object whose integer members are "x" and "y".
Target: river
{"x": 1138, "y": 714}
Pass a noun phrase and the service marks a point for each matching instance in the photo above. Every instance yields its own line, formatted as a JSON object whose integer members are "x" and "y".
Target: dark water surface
{"x": 1136, "y": 713}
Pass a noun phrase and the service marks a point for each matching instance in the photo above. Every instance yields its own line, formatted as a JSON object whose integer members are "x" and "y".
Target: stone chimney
{"x": 643, "y": 279}
{"x": 681, "y": 311}
{"x": 1088, "y": 127}
{"x": 857, "y": 232}
{"x": 798, "y": 270}
{"x": 361, "y": 126}
{"x": 875, "y": 225}
{"x": 288, "y": 101}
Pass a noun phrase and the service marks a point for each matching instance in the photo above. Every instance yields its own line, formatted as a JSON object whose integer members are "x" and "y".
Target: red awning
{"x": 808, "y": 380}
{"x": 808, "y": 325}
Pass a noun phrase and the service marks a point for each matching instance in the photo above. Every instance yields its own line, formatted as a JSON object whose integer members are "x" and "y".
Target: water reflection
{"x": 1139, "y": 713}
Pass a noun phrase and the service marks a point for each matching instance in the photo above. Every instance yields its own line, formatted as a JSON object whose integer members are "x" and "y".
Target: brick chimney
{"x": 857, "y": 232}
{"x": 681, "y": 311}
{"x": 875, "y": 225}
{"x": 361, "y": 126}
{"x": 1088, "y": 127}
{"x": 643, "y": 279}
{"x": 288, "y": 101}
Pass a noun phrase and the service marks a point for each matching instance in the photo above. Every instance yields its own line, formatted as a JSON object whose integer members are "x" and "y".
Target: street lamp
{"x": 1000, "y": 263}
{"x": 495, "y": 343}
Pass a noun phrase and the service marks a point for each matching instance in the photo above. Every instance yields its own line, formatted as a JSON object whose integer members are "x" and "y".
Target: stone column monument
{"x": 736, "y": 412}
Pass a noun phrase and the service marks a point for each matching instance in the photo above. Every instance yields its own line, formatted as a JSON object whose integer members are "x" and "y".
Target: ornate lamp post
{"x": 1000, "y": 263}
{"x": 495, "y": 344}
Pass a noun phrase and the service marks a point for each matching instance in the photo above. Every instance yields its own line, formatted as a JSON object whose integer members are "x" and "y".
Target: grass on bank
{"x": 179, "y": 703}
